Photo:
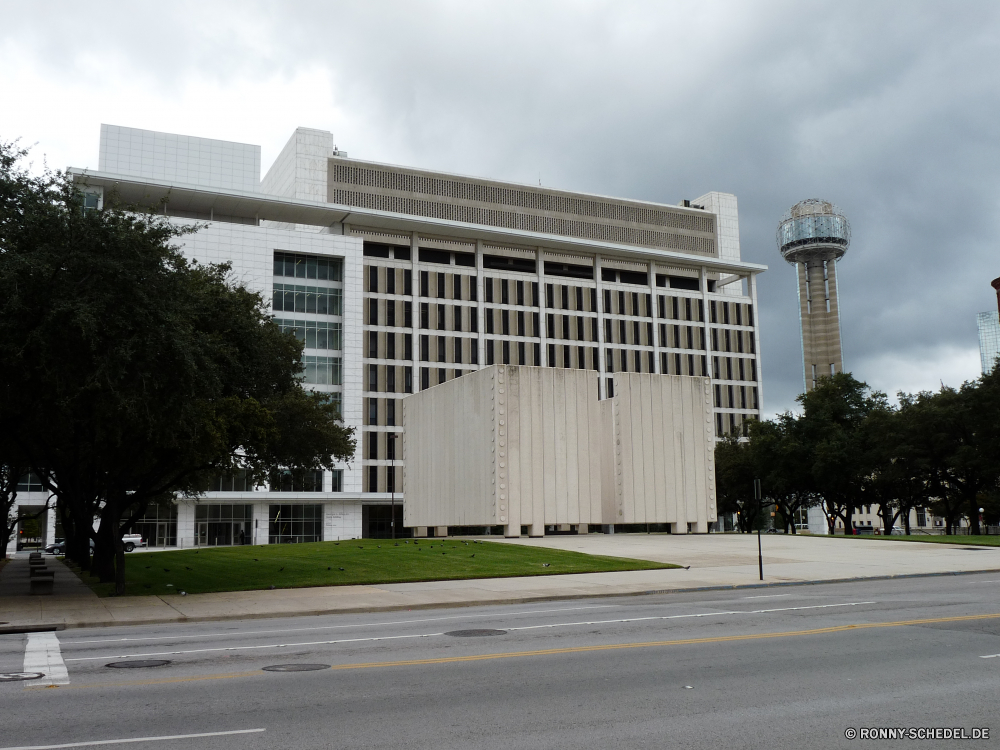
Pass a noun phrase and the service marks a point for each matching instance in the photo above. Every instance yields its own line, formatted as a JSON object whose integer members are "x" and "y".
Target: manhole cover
{"x": 19, "y": 676}
{"x": 296, "y": 667}
{"x": 475, "y": 633}
{"x": 138, "y": 664}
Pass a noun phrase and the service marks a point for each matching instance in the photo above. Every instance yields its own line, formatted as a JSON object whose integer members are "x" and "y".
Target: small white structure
{"x": 517, "y": 446}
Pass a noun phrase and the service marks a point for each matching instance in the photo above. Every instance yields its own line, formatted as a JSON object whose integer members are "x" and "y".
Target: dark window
{"x": 520, "y": 323}
{"x": 473, "y": 295}
{"x": 579, "y": 298}
{"x": 458, "y": 350}
{"x": 440, "y": 315}
{"x": 457, "y": 318}
{"x": 549, "y": 296}
{"x": 375, "y": 250}
{"x": 489, "y": 352}
{"x": 633, "y": 277}
{"x": 505, "y": 322}
{"x": 390, "y": 379}
{"x": 474, "y": 352}
{"x": 407, "y": 281}
{"x": 551, "y": 323}
{"x": 520, "y": 292}
{"x": 373, "y": 344}
{"x": 565, "y": 296}
{"x": 534, "y": 294}
{"x": 425, "y": 344}
{"x": 621, "y": 303}
{"x": 465, "y": 259}
{"x": 390, "y": 346}
{"x": 593, "y": 329}
{"x": 622, "y": 332}
{"x": 442, "y": 375}
{"x": 538, "y": 355}
{"x": 521, "y": 354}
{"x": 390, "y": 313}
{"x": 524, "y": 265}
{"x": 568, "y": 270}
{"x": 425, "y": 315}
{"x": 434, "y": 256}
{"x": 504, "y": 292}
{"x": 372, "y": 377}
{"x": 683, "y": 282}
{"x": 488, "y": 286}
{"x": 408, "y": 314}
{"x": 373, "y": 411}
{"x": 373, "y": 312}
{"x": 566, "y": 357}
{"x": 390, "y": 281}
{"x": 489, "y": 320}
{"x": 607, "y": 301}
{"x": 609, "y": 274}
{"x": 373, "y": 279}
{"x": 372, "y": 446}
{"x": 441, "y": 349}
{"x": 425, "y": 284}
{"x": 390, "y": 412}
{"x": 440, "y": 285}
{"x": 425, "y": 378}
{"x": 456, "y": 286}
{"x": 408, "y": 380}
{"x": 373, "y": 479}
{"x": 536, "y": 329}
{"x": 506, "y": 352}
{"x": 565, "y": 326}
{"x": 552, "y": 355}
{"x": 408, "y": 346}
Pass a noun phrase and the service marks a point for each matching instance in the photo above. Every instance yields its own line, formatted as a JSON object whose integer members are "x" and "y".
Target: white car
{"x": 131, "y": 541}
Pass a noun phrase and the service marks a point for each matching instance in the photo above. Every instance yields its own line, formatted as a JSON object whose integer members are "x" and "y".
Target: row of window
{"x": 282, "y": 480}
{"x": 322, "y": 370}
{"x": 735, "y": 368}
{"x": 503, "y": 291}
{"x": 736, "y": 397}
{"x": 314, "y": 334}
{"x": 294, "y": 265}
{"x": 307, "y": 299}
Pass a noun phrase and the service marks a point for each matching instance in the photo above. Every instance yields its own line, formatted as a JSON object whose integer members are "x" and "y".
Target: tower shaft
{"x": 819, "y": 313}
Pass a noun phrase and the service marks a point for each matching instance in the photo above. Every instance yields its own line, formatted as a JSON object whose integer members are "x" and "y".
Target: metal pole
{"x": 760, "y": 509}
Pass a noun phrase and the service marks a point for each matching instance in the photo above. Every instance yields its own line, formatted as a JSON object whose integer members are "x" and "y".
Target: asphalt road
{"x": 791, "y": 667}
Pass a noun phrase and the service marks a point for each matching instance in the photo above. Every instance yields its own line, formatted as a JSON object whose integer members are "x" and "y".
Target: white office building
{"x": 399, "y": 279}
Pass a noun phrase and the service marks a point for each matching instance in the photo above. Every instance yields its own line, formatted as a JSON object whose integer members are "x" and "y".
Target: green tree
{"x": 131, "y": 373}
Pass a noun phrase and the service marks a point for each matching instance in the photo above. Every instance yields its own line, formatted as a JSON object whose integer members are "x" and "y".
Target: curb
{"x": 494, "y": 602}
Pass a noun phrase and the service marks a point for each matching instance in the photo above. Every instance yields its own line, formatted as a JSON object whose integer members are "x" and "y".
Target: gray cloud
{"x": 888, "y": 109}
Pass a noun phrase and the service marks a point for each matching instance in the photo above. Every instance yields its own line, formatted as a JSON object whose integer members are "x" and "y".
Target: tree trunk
{"x": 973, "y": 516}
{"x": 119, "y": 565}
{"x": 849, "y": 520}
{"x": 906, "y": 521}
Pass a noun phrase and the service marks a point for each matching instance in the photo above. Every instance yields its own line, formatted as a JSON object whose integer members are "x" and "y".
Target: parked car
{"x": 132, "y": 541}
{"x": 59, "y": 548}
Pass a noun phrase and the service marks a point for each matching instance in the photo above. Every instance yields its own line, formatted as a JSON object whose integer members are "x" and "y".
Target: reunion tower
{"x": 813, "y": 235}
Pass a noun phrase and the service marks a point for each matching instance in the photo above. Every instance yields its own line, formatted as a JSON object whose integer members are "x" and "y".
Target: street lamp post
{"x": 760, "y": 509}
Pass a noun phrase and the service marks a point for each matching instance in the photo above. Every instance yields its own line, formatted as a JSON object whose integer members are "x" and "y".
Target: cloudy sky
{"x": 889, "y": 109}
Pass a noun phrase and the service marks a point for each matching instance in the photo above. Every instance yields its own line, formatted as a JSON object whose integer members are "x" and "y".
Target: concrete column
{"x": 480, "y": 318}
{"x": 542, "y": 314}
{"x": 752, "y": 290}
{"x": 536, "y": 530}
{"x": 601, "y": 366}
{"x": 678, "y": 528}
{"x": 420, "y": 531}
{"x": 50, "y": 526}
{"x": 583, "y": 529}
{"x": 654, "y": 309}
{"x": 261, "y": 522}
{"x": 440, "y": 531}
{"x": 185, "y": 524}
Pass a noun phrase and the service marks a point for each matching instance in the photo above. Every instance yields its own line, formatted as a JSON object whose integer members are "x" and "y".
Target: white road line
{"x": 133, "y": 739}
{"x": 433, "y": 635}
{"x": 990, "y": 656}
{"x": 768, "y": 596}
{"x": 340, "y": 627}
{"x": 42, "y": 655}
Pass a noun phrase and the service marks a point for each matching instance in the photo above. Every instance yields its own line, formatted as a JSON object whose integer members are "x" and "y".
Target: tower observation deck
{"x": 813, "y": 235}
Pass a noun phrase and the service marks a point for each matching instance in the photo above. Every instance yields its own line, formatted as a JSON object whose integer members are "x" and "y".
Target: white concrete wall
{"x": 505, "y": 445}
{"x": 726, "y": 210}
{"x": 182, "y": 159}
{"x": 662, "y": 452}
{"x": 301, "y": 169}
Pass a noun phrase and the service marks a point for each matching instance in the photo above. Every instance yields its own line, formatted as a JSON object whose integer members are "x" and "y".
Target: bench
{"x": 34, "y": 555}
{"x": 36, "y": 562}
{"x": 42, "y": 585}
{"x": 41, "y": 573}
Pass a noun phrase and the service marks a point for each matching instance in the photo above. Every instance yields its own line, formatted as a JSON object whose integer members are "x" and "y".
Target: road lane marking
{"x": 133, "y": 739}
{"x": 766, "y": 596}
{"x": 990, "y": 656}
{"x": 568, "y": 650}
{"x": 41, "y": 654}
{"x": 336, "y": 627}
{"x": 433, "y": 635}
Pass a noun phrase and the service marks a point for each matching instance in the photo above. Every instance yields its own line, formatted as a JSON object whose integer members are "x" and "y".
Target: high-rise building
{"x": 813, "y": 235}
{"x": 398, "y": 279}
{"x": 989, "y": 333}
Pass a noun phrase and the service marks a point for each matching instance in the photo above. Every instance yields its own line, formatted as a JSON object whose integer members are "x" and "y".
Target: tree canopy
{"x": 849, "y": 447}
{"x": 130, "y": 373}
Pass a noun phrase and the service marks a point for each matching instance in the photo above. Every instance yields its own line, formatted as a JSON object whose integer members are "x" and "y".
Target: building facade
{"x": 399, "y": 279}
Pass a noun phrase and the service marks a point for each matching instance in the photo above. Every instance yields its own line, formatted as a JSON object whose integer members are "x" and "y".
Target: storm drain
{"x": 138, "y": 664}
{"x": 477, "y": 633}
{"x": 295, "y": 667}
{"x": 19, "y": 676}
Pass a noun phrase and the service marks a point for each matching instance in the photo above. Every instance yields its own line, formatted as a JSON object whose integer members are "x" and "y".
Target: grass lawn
{"x": 365, "y": 561}
{"x": 980, "y": 540}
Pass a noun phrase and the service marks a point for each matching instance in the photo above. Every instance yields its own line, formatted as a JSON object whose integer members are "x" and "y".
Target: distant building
{"x": 989, "y": 333}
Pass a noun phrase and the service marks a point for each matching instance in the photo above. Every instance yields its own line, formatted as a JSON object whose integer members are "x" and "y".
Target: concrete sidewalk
{"x": 714, "y": 560}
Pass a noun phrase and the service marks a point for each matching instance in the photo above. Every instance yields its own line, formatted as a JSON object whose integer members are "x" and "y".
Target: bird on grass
{"x": 545, "y": 565}
{"x": 187, "y": 568}
{"x": 148, "y": 567}
{"x": 329, "y": 568}
{"x": 473, "y": 554}
{"x": 341, "y": 568}
{"x": 281, "y": 569}
{"x": 256, "y": 560}
{"x": 166, "y": 570}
